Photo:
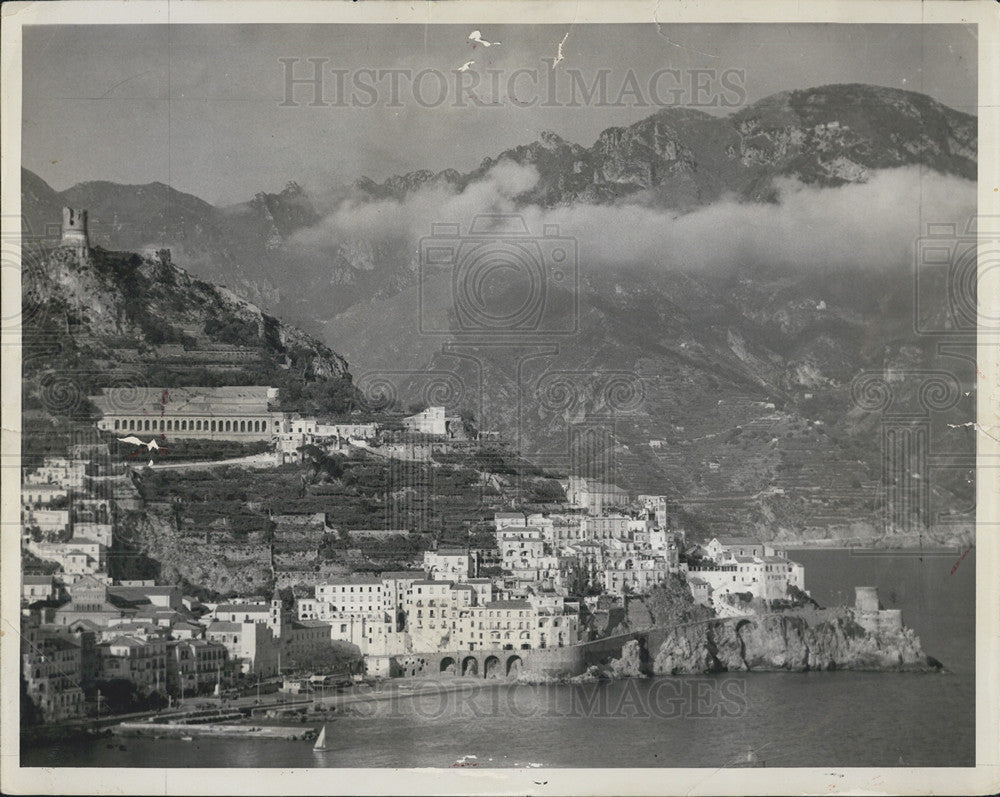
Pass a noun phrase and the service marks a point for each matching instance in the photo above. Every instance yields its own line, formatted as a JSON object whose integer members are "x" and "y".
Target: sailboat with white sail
{"x": 320, "y": 746}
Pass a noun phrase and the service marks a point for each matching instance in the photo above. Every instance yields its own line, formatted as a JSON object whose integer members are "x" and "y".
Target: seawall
{"x": 794, "y": 641}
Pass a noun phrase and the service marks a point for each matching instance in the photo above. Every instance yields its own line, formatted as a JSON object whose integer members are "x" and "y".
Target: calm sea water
{"x": 794, "y": 719}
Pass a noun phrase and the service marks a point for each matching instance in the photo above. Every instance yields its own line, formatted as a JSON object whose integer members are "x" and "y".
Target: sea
{"x": 815, "y": 719}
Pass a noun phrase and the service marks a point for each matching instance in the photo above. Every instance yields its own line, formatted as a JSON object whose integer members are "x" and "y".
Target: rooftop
{"x": 224, "y": 625}
{"x": 249, "y": 608}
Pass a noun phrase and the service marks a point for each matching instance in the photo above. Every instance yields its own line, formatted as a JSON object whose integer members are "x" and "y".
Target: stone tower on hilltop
{"x": 74, "y": 230}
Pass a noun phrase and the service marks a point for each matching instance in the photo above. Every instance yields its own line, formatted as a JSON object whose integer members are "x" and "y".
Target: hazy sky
{"x": 198, "y": 107}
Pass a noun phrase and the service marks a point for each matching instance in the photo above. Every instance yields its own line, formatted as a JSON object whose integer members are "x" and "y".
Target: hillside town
{"x": 537, "y": 587}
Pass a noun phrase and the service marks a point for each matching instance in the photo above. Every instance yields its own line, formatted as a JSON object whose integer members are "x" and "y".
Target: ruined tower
{"x": 74, "y": 230}
{"x": 866, "y": 599}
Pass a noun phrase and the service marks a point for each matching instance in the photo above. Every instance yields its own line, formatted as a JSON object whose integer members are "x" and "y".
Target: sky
{"x": 204, "y": 108}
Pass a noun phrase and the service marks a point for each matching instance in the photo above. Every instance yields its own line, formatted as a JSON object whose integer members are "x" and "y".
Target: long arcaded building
{"x": 210, "y": 413}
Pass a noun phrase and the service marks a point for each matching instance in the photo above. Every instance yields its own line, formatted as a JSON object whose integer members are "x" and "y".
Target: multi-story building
{"x": 141, "y": 661}
{"x": 514, "y": 625}
{"x": 252, "y": 643}
{"x": 503, "y": 519}
{"x": 764, "y": 576}
{"x": 520, "y": 547}
{"x": 102, "y": 533}
{"x": 488, "y": 561}
{"x": 634, "y": 576}
{"x": 51, "y": 668}
{"x": 723, "y": 548}
{"x": 196, "y": 666}
{"x": 360, "y": 596}
{"x": 77, "y": 557}
{"x": 50, "y": 523}
{"x": 37, "y": 588}
{"x": 450, "y": 564}
{"x": 90, "y": 600}
{"x": 240, "y": 413}
{"x": 607, "y": 527}
{"x": 394, "y": 586}
{"x": 257, "y": 612}
{"x": 67, "y": 473}
{"x": 594, "y": 496}
{"x": 431, "y": 421}
{"x": 432, "y": 612}
{"x": 44, "y": 494}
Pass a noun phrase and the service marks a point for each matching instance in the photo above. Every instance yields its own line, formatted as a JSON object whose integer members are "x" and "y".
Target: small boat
{"x": 187, "y": 738}
{"x": 320, "y": 745}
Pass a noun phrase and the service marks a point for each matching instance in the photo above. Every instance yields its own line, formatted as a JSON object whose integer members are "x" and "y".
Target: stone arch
{"x": 243, "y": 426}
{"x": 514, "y": 664}
{"x": 470, "y": 666}
{"x": 448, "y": 666}
{"x": 492, "y": 667}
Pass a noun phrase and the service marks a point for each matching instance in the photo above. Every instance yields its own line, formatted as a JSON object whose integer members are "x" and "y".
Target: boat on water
{"x": 320, "y": 745}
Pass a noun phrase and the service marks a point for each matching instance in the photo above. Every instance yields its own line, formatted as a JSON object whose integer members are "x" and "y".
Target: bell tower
{"x": 277, "y": 613}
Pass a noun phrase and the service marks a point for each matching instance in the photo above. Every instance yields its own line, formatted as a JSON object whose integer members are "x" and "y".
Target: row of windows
{"x": 344, "y": 590}
{"x": 197, "y": 425}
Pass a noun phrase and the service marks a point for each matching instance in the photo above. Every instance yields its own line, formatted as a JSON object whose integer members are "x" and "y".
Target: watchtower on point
{"x": 74, "y": 230}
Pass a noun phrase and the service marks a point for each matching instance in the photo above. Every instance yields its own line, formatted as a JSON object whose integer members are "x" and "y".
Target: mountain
{"x": 734, "y": 390}
{"x": 677, "y": 158}
{"x": 99, "y": 318}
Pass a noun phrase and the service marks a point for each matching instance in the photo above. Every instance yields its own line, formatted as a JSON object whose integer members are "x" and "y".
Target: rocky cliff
{"x": 95, "y": 318}
{"x": 828, "y": 639}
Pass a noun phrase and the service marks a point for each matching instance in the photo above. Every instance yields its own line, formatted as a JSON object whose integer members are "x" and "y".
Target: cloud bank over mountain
{"x": 862, "y": 225}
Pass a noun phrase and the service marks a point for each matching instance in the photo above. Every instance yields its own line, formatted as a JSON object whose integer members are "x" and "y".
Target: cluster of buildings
{"x": 151, "y": 636}
{"x": 82, "y": 635}
{"x": 66, "y": 512}
{"x": 740, "y": 566}
{"x": 531, "y": 589}
{"x": 246, "y": 414}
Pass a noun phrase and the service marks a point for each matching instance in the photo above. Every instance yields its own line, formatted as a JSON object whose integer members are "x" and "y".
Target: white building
{"x": 431, "y": 421}
{"x": 450, "y": 564}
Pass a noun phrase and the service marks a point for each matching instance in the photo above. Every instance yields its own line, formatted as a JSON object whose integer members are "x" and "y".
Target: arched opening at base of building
{"x": 470, "y": 666}
{"x": 448, "y": 666}
{"x": 492, "y": 668}
{"x": 514, "y": 665}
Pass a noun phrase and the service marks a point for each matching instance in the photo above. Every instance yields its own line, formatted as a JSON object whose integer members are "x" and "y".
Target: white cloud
{"x": 869, "y": 225}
